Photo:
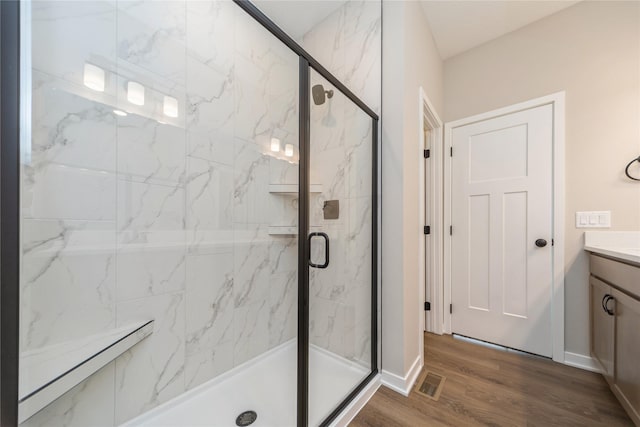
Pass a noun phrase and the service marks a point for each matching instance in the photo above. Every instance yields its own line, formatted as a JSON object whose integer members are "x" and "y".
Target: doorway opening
{"x": 431, "y": 214}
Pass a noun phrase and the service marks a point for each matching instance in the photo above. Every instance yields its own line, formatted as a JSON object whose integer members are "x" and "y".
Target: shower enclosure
{"x": 189, "y": 229}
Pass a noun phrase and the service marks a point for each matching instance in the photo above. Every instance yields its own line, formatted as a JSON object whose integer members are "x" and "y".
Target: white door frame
{"x": 557, "y": 296}
{"x": 430, "y": 279}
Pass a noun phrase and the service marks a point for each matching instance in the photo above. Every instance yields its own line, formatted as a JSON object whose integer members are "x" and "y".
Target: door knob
{"x": 541, "y": 243}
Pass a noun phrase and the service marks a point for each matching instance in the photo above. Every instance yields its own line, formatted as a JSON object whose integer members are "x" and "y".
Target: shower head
{"x": 320, "y": 95}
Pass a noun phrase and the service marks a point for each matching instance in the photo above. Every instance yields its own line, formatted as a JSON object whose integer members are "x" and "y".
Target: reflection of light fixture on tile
{"x": 288, "y": 150}
{"x": 275, "y": 145}
{"x": 135, "y": 93}
{"x": 170, "y": 106}
{"x": 93, "y": 77}
{"x": 119, "y": 113}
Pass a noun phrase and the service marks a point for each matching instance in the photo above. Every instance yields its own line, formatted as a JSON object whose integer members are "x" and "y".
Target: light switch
{"x": 593, "y": 219}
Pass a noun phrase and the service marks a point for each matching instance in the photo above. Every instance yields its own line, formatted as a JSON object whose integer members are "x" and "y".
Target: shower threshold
{"x": 266, "y": 385}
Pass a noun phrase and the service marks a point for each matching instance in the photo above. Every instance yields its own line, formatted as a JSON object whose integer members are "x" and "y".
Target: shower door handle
{"x": 326, "y": 249}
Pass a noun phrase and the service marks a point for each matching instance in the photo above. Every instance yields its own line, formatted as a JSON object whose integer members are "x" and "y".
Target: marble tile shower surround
{"x": 348, "y": 43}
{"x": 128, "y": 218}
{"x": 149, "y": 216}
{"x": 340, "y": 299}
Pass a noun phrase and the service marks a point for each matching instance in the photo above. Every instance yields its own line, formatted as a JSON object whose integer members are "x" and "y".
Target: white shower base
{"x": 267, "y": 385}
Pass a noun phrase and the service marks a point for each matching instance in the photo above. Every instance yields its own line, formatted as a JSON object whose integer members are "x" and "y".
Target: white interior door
{"x": 501, "y": 204}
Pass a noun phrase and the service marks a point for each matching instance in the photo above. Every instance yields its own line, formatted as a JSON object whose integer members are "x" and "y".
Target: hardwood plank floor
{"x": 490, "y": 387}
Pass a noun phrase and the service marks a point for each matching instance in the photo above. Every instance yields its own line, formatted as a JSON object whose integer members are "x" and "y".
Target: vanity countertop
{"x": 623, "y": 245}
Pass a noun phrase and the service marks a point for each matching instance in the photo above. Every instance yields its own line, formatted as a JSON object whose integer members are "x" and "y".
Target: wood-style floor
{"x": 489, "y": 387}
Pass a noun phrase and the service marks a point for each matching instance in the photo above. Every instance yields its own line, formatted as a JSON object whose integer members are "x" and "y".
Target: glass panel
{"x": 340, "y": 295}
{"x": 160, "y": 172}
{"x": 344, "y": 36}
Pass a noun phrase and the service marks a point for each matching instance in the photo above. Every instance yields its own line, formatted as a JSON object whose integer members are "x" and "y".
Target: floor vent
{"x": 430, "y": 384}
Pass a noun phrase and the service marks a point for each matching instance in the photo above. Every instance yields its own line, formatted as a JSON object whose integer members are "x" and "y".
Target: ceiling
{"x": 458, "y": 26}
{"x": 296, "y": 18}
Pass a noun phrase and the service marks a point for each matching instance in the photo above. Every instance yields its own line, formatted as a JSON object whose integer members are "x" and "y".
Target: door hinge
{"x": 427, "y": 306}
{"x": 451, "y": 152}
{"x": 451, "y": 230}
{"x": 427, "y": 229}
{"x": 427, "y": 154}
{"x": 553, "y": 242}
{"x": 450, "y": 308}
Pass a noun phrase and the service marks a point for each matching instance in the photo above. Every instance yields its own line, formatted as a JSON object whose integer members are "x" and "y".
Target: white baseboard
{"x": 404, "y": 384}
{"x": 581, "y": 361}
{"x": 356, "y": 405}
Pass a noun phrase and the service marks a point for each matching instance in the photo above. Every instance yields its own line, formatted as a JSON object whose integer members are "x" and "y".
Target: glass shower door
{"x": 159, "y": 215}
{"x": 341, "y": 285}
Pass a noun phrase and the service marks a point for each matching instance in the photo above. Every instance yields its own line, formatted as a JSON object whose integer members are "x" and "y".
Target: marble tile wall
{"x": 348, "y": 42}
{"x": 150, "y": 216}
{"x": 340, "y": 296}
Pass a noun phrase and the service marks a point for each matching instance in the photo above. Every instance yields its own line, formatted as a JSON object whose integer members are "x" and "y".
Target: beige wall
{"x": 411, "y": 60}
{"x": 423, "y": 68}
{"x": 423, "y": 65}
{"x": 591, "y": 51}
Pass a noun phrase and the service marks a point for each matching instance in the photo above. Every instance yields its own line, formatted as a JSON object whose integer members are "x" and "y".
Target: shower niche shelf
{"x": 292, "y": 188}
{"x": 49, "y": 372}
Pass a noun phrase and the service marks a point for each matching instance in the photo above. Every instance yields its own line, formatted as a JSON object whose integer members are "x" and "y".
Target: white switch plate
{"x": 593, "y": 219}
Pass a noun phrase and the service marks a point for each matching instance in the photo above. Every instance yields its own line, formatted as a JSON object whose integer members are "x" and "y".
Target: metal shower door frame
{"x": 306, "y": 63}
{"x": 9, "y": 210}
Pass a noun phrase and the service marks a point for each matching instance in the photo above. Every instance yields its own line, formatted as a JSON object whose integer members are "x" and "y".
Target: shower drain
{"x": 246, "y": 418}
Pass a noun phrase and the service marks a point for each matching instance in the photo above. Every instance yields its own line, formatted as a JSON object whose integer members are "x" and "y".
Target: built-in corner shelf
{"x": 49, "y": 372}
{"x": 288, "y": 189}
{"x": 292, "y": 188}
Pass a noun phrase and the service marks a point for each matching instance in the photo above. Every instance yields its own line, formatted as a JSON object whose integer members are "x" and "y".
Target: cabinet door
{"x": 627, "y": 366}
{"x": 602, "y": 327}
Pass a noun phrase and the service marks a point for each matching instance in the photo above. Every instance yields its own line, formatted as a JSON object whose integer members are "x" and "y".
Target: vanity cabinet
{"x": 615, "y": 328}
{"x": 627, "y": 356}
